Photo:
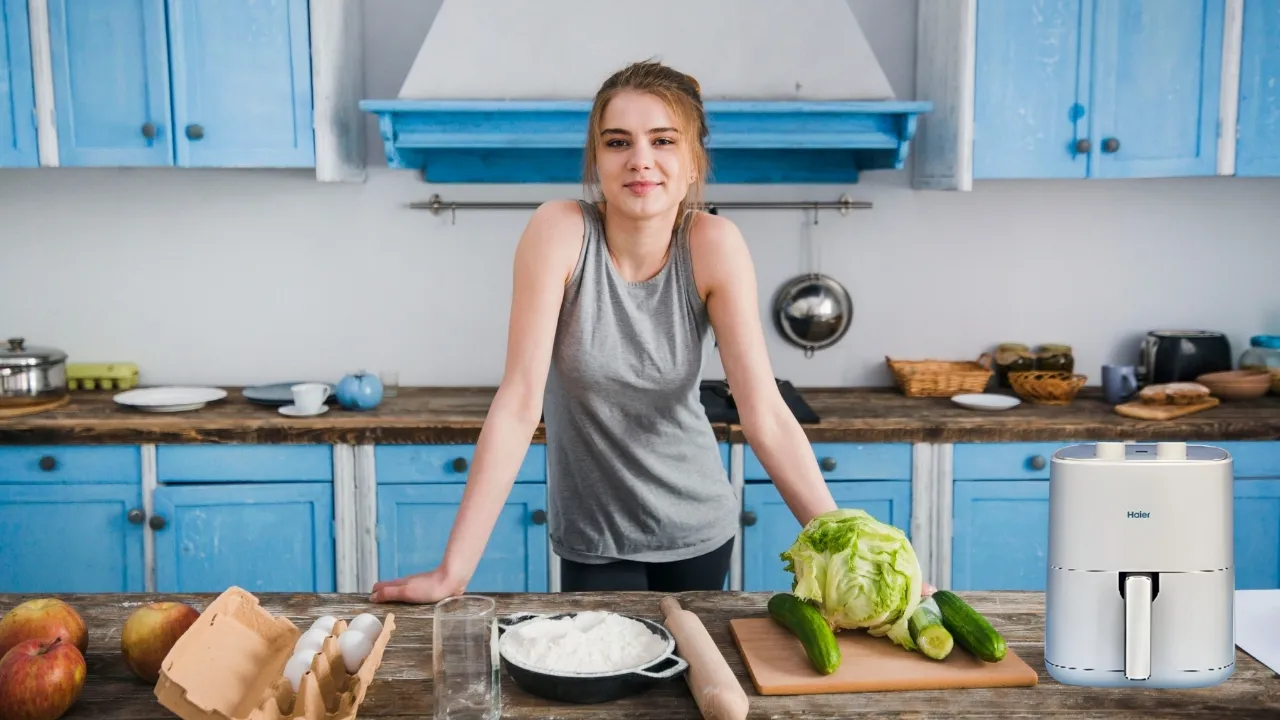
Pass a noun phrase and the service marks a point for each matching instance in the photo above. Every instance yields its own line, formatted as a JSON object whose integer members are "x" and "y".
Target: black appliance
{"x": 1182, "y": 355}
{"x": 718, "y": 401}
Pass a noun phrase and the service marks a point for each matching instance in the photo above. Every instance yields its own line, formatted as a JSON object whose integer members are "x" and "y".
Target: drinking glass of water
{"x": 464, "y": 659}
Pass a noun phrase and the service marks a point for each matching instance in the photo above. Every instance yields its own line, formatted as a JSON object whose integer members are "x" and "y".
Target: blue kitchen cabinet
{"x": 1258, "y": 141}
{"x": 71, "y": 519}
{"x": 17, "y": 88}
{"x": 1256, "y": 465}
{"x": 1096, "y": 88}
{"x": 874, "y": 477}
{"x": 420, "y": 488}
{"x": 257, "y": 516}
{"x": 176, "y": 82}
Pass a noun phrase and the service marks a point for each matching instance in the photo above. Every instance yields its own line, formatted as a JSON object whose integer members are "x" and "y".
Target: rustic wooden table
{"x": 402, "y": 688}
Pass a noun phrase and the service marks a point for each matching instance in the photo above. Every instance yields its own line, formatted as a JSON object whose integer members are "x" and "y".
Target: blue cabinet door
{"x": 775, "y": 529}
{"x": 242, "y": 83}
{"x": 1258, "y": 143}
{"x": 1257, "y": 534}
{"x": 17, "y": 89}
{"x": 1027, "y": 83}
{"x": 111, "y": 82}
{"x": 1156, "y": 82}
{"x": 1000, "y": 534}
{"x": 71, "y": 538}
{"x": 269, "y": 537}
{"x": 414, "y": 522}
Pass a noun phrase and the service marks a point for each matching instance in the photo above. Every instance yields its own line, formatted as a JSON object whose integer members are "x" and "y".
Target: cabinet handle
{"x": 195, "y": 132}
{"x": 1037, "y": 462}
{"x": 136, "y": 516}
{"x": 1083, "y": 146}
{"x": 157, "y": 522}
{"x": 47, "y": 463}
{"x": 1110, "y": 145}
{"x": 459, "y": 464}
{"x": 539, "y": 517}
{"x": 748, "y": 518}
{"x": 149, "y": 131}
{"x": 828, "y": 464}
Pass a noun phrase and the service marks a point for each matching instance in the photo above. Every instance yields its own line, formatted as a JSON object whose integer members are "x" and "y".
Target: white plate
{"x": 293, "y": 411}
{"x": 169, "y": 399}
{"x": 986, "y": 401}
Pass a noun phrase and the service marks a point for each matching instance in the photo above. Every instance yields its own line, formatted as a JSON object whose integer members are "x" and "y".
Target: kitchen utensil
{"x": 1148, "y": 411}
{"x": 31, "y": 375}
{"x": 102, "y": 376}
{"x": 1237, "y": 384}
{"x": 280, "y": 393}
{"x": 589, "y": 687}
{"x": 777, "y": 663}
{"x": 1180, "y": 355}
{"x": 172, "y": 398}
{"x": 1119, "y": 382}
{"x": 295, "y": 411}
{"x": 1118, "y": 539}
{"x": 1047, "y": 388}
{"x": 309, "y": 397}
{"x": 7, "y": 412}
{"x": 812, "y": 311}
{"x": 464, "y": 659}
{"x": 712, "y": 683}
{"x": 985, "y": 401}
{"x": 360, "y": 390}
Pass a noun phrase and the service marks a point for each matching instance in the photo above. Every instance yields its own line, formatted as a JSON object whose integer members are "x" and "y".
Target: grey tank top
{"x": 634, "y": 469}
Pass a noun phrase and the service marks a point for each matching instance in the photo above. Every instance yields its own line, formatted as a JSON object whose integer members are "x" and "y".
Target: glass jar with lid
{"x": 1012, "y": 357}
{"x": 1263, "y": 353}
{"x": 1055, "y": 358}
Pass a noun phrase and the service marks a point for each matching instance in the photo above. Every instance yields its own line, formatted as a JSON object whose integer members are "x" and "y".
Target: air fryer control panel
{"x": 1141, "y": 452}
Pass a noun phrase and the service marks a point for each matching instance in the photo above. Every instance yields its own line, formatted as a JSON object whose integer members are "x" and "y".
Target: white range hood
{"x": 500, "y": 89}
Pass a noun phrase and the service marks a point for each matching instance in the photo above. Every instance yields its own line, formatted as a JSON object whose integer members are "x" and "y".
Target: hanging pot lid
{"x": 812, "y": 311}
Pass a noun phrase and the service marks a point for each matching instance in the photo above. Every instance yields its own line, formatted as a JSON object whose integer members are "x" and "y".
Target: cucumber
{"x": 969, "y": 627}
{"x": 806, "y": 623}
{"x": 928, "y": 632}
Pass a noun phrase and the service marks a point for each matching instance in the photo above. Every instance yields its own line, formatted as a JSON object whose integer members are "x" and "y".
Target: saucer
{"x": 292, "y": 411}
{"x": 986, "y": 401}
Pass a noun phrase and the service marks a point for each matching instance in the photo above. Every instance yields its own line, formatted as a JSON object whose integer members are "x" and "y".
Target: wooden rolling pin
{"x": 714, "y": 687}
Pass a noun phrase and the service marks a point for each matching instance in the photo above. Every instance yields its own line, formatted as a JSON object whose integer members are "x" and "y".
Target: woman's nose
{"x": 641, "y": 157}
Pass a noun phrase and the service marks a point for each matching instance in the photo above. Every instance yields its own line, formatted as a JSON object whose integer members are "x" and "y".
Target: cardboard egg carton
{"x": 230, "y": 666}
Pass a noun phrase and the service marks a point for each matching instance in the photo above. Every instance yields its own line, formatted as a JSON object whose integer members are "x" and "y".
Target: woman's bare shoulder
{"x": 717, "y": 249}
{"x": 552, "y": 239}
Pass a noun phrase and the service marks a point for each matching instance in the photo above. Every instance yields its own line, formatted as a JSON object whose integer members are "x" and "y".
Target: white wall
{"x": 233, "y": 277}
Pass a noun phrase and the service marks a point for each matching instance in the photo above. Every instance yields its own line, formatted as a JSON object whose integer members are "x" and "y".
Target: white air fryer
{"x": 1141, "y": 576}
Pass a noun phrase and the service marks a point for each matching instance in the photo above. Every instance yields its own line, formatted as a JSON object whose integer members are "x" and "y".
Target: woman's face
{"x": 640, "y": 156}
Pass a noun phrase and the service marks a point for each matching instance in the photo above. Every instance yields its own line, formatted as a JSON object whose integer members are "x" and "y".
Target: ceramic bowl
{"x": 1237, "y": 384}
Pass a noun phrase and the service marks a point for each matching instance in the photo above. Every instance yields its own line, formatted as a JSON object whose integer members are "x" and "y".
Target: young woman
{"x": 612, "y": 302}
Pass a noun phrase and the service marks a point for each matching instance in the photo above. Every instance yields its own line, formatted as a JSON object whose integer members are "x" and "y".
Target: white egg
{"x": 311, "y": 640}
{"x": 324, "y": 623}
{"x": 355, "y": 647}
{"x": 367, "y": 624}
{"x": 298, "y": 666}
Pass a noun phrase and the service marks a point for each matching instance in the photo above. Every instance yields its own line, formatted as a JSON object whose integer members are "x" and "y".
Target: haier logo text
{"x": 1138, "y": 514}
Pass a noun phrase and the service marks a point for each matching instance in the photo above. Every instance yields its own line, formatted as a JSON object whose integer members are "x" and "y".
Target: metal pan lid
{"x": 17, "y": 354}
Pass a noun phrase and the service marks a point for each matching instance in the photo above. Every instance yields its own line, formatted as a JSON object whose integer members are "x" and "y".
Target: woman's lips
{"x": 642, "y": 187}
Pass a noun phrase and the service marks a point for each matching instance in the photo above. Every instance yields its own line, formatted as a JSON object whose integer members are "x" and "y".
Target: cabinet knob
{"x": 1037, "y": 462}
{"x": 539, "y": 517}
{"x": 1110, "y": 145}
{"x": 157, "y": 522}
{"x": 1083, "y": 146}
{"x": 136, "y": 516}
{"x": 459, "y": 464}
{"x": 47, "y": 463}
{"x": 748, "y": 518}
{"x": 195, "y": 132}
{"x": 149, "y": 131}
{"x": 827, "y": 464}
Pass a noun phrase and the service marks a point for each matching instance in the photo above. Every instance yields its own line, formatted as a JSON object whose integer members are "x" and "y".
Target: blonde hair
{"x": 683, "y": 97}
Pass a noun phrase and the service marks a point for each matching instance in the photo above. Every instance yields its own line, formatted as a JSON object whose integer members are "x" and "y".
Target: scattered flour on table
{"x": 590, "y": 642}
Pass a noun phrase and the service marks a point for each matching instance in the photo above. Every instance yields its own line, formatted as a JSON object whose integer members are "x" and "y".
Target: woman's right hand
{"x": 427, "y": 587}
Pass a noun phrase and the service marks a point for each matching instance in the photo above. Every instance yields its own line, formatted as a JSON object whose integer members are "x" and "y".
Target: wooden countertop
{"x": 402, "y": 686}
{"x": 455, "y": 415}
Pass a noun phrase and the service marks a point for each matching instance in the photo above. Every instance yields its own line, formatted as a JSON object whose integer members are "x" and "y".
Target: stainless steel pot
{"x": 812, "y": 312}
{"x": 31, "y": 375}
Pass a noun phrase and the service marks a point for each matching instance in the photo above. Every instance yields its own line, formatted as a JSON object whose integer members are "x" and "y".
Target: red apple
{"x": 40, "y": 680}
{"x": 150, "y": 633}
{"x": 43, "y": 619}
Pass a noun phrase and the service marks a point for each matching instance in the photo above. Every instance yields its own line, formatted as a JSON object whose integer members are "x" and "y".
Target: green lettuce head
{"x": 860, "y": 572}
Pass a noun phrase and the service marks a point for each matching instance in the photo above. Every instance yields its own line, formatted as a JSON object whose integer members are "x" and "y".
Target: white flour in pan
{"x": 589, "y": 642}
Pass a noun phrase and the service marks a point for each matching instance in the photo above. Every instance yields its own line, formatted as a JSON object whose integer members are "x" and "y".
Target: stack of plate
{"x": 280, "y": 393}
{"x": 170, "y": 398}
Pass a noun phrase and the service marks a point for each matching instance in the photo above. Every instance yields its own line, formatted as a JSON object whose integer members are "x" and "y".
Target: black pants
{"x": 705, "y": 572}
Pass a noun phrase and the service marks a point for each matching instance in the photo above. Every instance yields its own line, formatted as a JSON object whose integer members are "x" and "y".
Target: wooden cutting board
{"x": 778, "y": 665}
{"x": 1148, "y": 411}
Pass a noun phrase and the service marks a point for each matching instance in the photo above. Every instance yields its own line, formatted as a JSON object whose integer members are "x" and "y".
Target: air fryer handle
{"x": 1137, "y": 626}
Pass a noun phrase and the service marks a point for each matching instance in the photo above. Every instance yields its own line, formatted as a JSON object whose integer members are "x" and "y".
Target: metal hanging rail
{"x": 844, "y": 205}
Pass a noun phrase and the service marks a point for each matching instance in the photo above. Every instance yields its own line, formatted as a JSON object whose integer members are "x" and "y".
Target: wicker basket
{"x": 940, "y": 378}
{"x": 1046, "y": 387}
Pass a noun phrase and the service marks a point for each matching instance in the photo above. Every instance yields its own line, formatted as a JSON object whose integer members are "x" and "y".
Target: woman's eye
{"x": 665, "y": 141}
{"x": 615, "y": 143}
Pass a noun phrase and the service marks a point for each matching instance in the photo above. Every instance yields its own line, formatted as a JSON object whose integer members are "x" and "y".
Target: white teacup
{"x": 308, "y": 397}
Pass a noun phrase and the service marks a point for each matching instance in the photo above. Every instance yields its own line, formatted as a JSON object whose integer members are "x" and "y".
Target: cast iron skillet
{"x": 590, "y": 687}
